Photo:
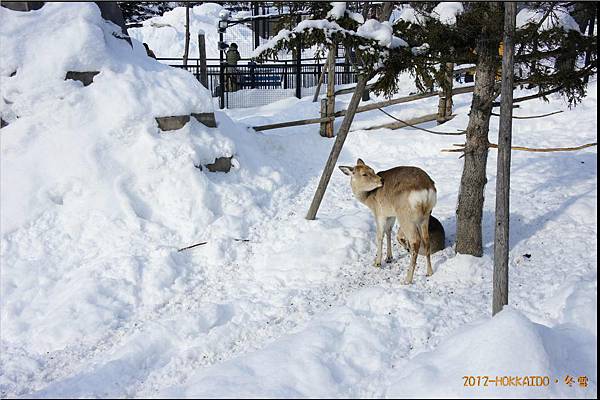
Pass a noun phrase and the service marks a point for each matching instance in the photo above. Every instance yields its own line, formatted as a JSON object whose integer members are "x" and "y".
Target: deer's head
{"x": 363, "y": 178}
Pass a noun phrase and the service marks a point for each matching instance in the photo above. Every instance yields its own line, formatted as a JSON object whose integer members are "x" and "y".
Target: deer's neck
{"x": 365, "y": 197}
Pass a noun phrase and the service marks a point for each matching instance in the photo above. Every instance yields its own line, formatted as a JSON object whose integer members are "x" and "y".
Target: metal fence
{"x": 253, "y": 84}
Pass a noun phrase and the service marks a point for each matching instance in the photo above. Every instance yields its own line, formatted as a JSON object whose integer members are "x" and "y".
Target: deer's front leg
{"x": 381, "y": 223}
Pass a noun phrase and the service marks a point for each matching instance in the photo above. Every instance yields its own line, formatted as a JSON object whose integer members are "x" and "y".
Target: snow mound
{"x": 95, "y": 198}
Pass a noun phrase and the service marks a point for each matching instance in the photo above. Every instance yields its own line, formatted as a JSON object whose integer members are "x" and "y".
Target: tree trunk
{"x": 187, "y": 35}
{"x": 472, "y": 185}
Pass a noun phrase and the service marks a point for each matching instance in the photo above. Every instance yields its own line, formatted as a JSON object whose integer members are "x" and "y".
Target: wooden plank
{"x": 368, "y": 107}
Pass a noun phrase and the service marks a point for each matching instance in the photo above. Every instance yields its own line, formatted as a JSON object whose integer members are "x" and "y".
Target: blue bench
{"x": 262, "y": 81}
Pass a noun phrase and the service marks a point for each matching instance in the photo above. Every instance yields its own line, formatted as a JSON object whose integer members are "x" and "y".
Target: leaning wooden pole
{"x": 337, "y": 147}
{"x": 501, "y": 239}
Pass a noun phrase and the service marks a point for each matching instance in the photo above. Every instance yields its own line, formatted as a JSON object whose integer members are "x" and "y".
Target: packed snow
{"x": 97, "y": 301}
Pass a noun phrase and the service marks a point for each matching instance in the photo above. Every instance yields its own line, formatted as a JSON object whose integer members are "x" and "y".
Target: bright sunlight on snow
{"x": 96, "y": 201}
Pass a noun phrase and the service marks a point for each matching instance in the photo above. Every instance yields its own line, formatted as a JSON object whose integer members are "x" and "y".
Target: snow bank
{"x": 165, "y": 34}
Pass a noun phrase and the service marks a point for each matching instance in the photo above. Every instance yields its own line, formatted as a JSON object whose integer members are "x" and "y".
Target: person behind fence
{"x": 232, "y": 56}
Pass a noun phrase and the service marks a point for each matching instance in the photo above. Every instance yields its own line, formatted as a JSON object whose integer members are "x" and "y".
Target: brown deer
{"x": 405, "y": 193}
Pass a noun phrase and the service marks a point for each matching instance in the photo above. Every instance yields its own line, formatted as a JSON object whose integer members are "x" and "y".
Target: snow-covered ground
{"x": 96, "y": 301}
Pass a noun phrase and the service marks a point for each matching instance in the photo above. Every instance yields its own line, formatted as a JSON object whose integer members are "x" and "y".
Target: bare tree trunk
{"x": 187, "y": 35}
{"x": 501, "y": 239}
{"x": 472, "y": 185}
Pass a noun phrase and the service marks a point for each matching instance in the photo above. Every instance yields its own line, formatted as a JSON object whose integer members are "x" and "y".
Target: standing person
{"x": 232, "y": 56}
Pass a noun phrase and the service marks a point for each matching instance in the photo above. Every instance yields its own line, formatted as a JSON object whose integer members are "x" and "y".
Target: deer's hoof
{"x": 377, "y": 264}
{"x": 407, "y": 282}
{"x": 389, "y": 259}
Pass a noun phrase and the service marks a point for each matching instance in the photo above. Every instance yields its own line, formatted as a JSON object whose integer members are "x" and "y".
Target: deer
{"x": 405, "y": 193}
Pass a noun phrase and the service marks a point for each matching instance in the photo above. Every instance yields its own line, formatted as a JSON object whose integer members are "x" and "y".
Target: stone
{"x": 3, "y": 123}
{"x": 172, "y": 123}
{"x": 178, "y": 121}
{"x": 207, "y": 119}
{"x": 221, "y": 164}
{"x": 86, "y": 77}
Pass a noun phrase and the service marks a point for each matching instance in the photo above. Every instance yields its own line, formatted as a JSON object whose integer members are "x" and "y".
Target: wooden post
{"x": 202, "y": 58}
{"x": 337, "y": 147}
{"x": 501, "y": 239}
{"x": 321, "y": 78}
{"x": 323, "y": 128}
{"x": 330, "y": 89}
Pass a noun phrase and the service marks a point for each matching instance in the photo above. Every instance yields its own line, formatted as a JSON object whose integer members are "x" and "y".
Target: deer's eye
{"x": 364, "y": 174}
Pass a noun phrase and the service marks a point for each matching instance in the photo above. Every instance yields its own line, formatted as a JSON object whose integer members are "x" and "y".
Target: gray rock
{"x": 178, "y": 121}
{"x": 221, "y": 164}
{"x": 86, "y": 77}
{"x": 3, "y": 123}
{"x": 172, "y": 123}
{"x": 207, "y": 119}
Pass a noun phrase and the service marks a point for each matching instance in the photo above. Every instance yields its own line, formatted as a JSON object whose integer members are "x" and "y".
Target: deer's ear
{"x": 360, "y": 162}
{"x": 347, "y": 170}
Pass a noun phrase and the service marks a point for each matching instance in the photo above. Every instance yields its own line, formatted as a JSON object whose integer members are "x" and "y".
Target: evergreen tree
{"x": 553, "y": 55}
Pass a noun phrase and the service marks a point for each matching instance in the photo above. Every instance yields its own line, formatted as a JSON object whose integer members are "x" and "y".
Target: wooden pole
{"x": 337, "y": 147}
{"x": 202, "y": 56}
{"x": 323, "y": 117}
{"x": 501, "y": 239}
{"x": 330, "y": 89}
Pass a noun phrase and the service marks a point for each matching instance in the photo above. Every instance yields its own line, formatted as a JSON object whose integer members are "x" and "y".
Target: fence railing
{"x": 253, "y": 84}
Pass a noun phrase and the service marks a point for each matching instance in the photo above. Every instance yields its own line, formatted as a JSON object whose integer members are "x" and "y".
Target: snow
{"x": 446, "y": 12}
{"x": 165, "y": 34}
{"x": 381, "y": 32}
{"x": 95, "y": 202}
{"x": 557, "y": 18}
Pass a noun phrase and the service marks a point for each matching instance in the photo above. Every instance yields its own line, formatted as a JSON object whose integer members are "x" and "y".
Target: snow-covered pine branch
{"x": 331, "y": 23}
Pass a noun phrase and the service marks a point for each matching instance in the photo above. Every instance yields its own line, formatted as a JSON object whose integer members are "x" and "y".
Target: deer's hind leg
{"x": 389, "y": 224}
{"x": 424, "y": 233}
{"x": 411, "y": 232}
